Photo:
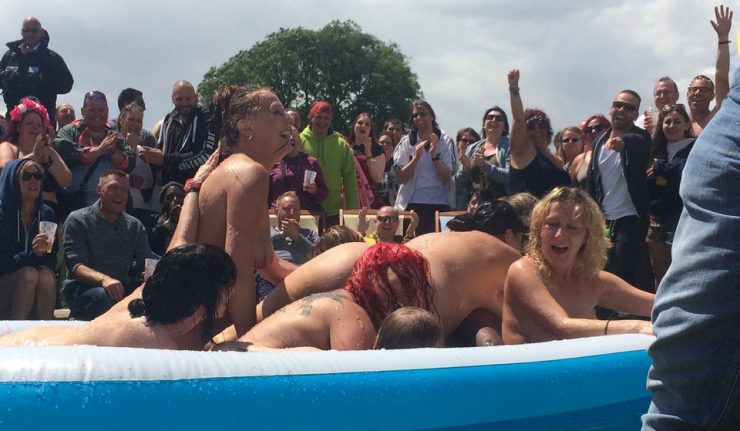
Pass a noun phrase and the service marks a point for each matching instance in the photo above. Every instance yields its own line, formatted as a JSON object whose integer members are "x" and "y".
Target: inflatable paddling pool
{"x": 590, "y": 383}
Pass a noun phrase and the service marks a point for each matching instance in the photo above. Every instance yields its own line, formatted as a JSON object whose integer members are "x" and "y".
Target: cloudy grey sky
{"x": 574, "y": 55}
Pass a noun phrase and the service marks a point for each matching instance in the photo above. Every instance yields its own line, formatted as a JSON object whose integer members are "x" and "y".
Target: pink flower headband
{"x": 27, "y": 105}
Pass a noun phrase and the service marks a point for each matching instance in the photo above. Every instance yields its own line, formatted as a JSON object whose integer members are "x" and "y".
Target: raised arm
{"x": 522, "y": 151}
{"x": 722, "y": 26}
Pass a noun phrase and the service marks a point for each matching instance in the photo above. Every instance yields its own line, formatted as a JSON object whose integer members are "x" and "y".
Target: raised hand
{"x": 722, "y": 26}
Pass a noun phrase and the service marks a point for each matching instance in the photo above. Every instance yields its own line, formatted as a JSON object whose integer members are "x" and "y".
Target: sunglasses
{"x": 30, "y": 30}
{"x": 702, "y": 90}
{"x": 386, "y": 219}
{"x": 570, "y": 140}
{"x": 467, "y": 141}
{"x": 420, "y": 114}
{"x": 494, "y": 117}
{"x": 394, "y": 129}
{"x": 676, "y": 107}
{"x": 38, "y": 176}
{"x": 624, "y": 106}
{"x": 594, "y": 129}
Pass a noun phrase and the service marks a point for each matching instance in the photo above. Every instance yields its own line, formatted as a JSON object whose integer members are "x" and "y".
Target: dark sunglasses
{"x": 594, "y": 129}
{"x": 676, "y": 107}
{"x": 386, "y": 219}
{"x": 30, "y": 30}
{"x": 420, "y": 114}
{"x": 38, "y": 176}
{"x": 624, "y": 106}
{"x": 569, "y": 140}
{"x": 494, "y": 117}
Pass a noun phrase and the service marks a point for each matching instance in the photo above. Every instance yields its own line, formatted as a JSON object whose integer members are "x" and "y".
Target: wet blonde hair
{"x": 592, "y": 255}
{"x": 231, "y": 103}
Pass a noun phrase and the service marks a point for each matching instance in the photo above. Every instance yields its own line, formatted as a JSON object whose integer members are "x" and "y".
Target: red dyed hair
{"x": 370, "y": 276}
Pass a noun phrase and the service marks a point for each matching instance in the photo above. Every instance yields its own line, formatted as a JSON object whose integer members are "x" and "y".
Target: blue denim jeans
{"x": 696, "y": 357}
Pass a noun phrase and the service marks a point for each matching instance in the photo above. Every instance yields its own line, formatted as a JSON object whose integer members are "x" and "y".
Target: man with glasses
{"x": 702, "y": 90}
{"x": 617, "y": 181}
{"x": 665, "y": 93}
{"x": 386, "y": 225}
{"x": 30, "y": 68}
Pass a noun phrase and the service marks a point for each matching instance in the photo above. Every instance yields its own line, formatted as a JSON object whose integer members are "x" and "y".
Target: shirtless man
{"x": 702, "y": 91}
{"x": 195, "y": 276}
{"x": 255, "y": 134}
{"x": 550, "y": 294}
{"x": 468, "y": 270}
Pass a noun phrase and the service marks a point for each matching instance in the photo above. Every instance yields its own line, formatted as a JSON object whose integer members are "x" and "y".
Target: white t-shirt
{"x": 616, "y": 201}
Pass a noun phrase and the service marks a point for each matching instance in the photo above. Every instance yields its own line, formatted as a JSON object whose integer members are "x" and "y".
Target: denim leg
{"x": 628, "y": 248}
{"x": 696, "y": 356}
{"x": 88, "y": 303}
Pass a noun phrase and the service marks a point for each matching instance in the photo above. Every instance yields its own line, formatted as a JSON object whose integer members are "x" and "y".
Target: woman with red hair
{"x": 385, "y": 278}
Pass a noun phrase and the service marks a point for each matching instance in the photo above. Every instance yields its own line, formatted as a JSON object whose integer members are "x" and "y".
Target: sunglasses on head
{"x": 676, "y": 107}
{"x": 624, "y": 106}
{"x": 594, "y": 129}
{"x": 386, "y": 219}
{"x": 38, "y": 176}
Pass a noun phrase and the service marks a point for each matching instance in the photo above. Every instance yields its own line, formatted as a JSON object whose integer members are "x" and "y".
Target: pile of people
{"x": 554, "y": 243}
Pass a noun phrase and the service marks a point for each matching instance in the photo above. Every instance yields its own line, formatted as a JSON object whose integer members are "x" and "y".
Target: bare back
{"x": 329, "y": 320}
{"x": 468, "y": 271}
{"x": 327, "y": 271}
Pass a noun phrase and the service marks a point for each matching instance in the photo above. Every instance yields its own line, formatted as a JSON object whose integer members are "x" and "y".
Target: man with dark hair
{"x": 30, "y": 68}
{"x": 394, "y": 127}
{"x": 89, "y": 147}
{"x": 617, "y": 181}
{"x": 65, "y": 114}
{"x": 186, "y": 139}
{"x": 105, "y": 250}
{"x": 131, "y": 95}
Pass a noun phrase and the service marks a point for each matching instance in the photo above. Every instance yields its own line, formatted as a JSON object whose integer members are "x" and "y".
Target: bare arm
{"x": 376, "y": 166}
{"x": 722, "y": 26}
{"x": 7, "y": 153}
{"x": 187, "y": 226}
{"x": 617, "y": 294}
{"x": 531, "y": 314}
{"x": 522, "y": 151}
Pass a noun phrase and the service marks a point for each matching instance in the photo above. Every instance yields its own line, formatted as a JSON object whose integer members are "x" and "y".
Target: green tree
{"x": 354, "y": 71}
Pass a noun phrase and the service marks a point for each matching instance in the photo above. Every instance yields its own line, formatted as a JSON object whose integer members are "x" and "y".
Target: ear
{"x": 245, "y": 128}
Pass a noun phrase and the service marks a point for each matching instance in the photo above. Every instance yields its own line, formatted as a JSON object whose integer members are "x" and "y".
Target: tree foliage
{"x": 354, "y": 71}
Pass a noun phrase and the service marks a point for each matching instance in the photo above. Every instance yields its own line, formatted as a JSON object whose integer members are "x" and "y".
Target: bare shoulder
{"x": 462, "y": 245}
{"x": 238, "y": 172}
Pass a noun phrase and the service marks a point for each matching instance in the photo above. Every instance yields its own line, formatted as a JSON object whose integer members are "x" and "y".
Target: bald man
{"x": 467, "y": 269}
{"x": 186, "y": 139}
{"x": 30, "y": 68}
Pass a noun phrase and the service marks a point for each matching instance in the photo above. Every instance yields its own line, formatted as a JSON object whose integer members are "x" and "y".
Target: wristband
{"x": 722, "y": 42}
{"x": 606, "y": 328}
{"x": 192, "y": 186}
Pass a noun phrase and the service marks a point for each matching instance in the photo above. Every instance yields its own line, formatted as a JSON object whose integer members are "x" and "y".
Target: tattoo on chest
{"x": 307, "y": 302}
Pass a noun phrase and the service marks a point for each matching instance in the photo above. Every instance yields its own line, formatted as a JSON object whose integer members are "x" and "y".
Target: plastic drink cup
{"x": 309, "y": 177}
{"x": 653, "y": 113}
{"x": 48, "y": 228}
{"x": 149, "y": 266}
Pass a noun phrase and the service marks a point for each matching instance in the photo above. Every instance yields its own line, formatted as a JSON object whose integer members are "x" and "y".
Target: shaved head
{"x": 182, "y": 85}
